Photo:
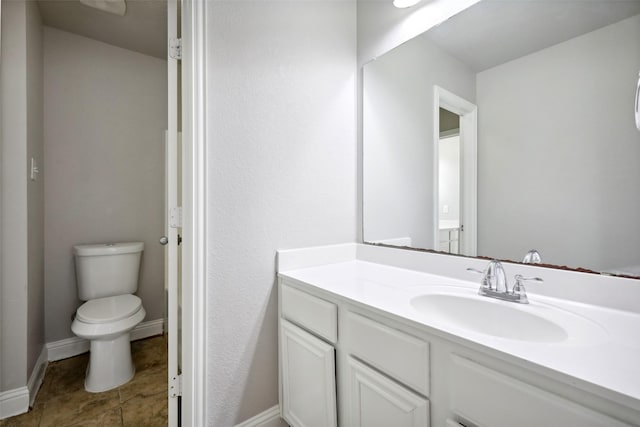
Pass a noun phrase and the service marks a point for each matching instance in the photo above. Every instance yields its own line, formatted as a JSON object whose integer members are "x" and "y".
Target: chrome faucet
{"x": 532, "y": 257}
{"x": 494, "y": 284}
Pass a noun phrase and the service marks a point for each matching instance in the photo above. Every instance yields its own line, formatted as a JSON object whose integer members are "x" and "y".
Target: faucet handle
{"x": 519, "y": 279}
{"x": 518, "y": 287}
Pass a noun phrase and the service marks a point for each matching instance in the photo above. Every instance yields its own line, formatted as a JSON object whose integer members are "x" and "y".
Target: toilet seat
{"x": 107, "y": 323}
{"x": 109, "y": 309}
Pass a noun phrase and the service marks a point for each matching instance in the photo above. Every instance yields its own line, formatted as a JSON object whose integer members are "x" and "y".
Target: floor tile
{"x": 111, "y": 418}
{"x": 145, "y": 412}
{"x": 29, "y": 419}
{"x": 62, "y": 400}
{"x": 66, "y": 376}
{"x": 146, "y": 383}
{"x": 149, "y": 353}
{"x": 77, "y": 406}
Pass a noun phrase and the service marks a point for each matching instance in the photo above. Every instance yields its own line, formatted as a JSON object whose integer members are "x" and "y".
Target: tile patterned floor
{"x": 62, "y": 400}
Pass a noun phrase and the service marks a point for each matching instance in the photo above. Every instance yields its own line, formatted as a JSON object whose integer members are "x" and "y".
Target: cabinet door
{"x": 308, "y": 378}
{"x": 377, "y": 401}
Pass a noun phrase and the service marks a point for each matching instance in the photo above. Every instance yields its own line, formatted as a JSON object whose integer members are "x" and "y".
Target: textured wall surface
{"x": 281, "y": 174}
{"x": 105, "y": 118}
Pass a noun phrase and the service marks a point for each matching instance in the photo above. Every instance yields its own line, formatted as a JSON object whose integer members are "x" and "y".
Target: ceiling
{"x": 142, "y": 29}
{"x": 493, "y": 32}
{"x": 487, "y": 34}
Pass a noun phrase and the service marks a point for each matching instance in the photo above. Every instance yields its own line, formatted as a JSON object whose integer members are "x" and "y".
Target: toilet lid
{"x": 109, "y": 309}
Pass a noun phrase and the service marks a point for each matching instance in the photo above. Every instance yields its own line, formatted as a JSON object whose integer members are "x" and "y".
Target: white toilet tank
{"x": 104, "y": 270}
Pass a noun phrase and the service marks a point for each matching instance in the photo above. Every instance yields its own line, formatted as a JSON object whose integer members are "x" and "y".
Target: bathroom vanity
{"x": 375, "y": 336}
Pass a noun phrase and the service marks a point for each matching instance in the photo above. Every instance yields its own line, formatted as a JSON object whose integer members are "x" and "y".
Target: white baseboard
{"x": 268, "y": 418}
{"x": 70, "y": 347}
{"x": 148, "y": 329}
{"x": 14, "y": 402}
{"x": 37, "y": 375}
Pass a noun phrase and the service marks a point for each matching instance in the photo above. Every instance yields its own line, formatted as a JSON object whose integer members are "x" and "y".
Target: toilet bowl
{"x": 107, "y": 323}
{"x": 107, "y": 276}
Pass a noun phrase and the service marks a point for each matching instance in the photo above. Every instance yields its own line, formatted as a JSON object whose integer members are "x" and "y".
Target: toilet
{"x": 107, "y": 277}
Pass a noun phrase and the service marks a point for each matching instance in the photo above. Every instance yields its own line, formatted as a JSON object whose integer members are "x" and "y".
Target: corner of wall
{"x": 37, "y": 375}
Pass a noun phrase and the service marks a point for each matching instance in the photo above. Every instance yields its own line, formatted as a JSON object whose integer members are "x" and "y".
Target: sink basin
{"x": 521, "y": 322}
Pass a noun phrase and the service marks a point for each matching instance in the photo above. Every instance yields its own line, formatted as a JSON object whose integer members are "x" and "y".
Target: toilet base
{"x": 110, "y": 364}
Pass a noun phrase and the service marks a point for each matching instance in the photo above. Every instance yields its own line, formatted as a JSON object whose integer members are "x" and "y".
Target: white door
{"x": 308, "y": 378}
{"x": 174, "y": 220}
{"x": 377, "y": 401}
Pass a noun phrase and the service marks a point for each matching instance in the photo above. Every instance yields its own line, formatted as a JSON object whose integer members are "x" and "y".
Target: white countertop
{"x": 605, "y": 363}
{"x": 449, "y": 224}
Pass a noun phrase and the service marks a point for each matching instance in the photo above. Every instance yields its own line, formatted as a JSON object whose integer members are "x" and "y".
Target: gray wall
{"x": 398, "y": 138}
{"x": 281, "y": 168}
{"x": 35, "y": 188}
{"x": 105, "y": 113}
{"x": 448, "y": 120}
{"x": 574, "y": 171}
{"x": 21, "y": 325}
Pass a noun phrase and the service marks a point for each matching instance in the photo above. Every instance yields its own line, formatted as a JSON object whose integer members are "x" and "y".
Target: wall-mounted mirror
{"x": 545, "y": 154}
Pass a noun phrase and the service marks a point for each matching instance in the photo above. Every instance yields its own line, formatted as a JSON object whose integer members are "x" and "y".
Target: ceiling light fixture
{"x": 403, "y": 4}
{"x": 118, "y": 7}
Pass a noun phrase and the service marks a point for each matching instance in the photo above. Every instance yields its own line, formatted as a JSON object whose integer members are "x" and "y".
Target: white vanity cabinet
{"x": 384, "y": 372}
{"x": 307, "y": 332}
{"x": 345, "y": 363}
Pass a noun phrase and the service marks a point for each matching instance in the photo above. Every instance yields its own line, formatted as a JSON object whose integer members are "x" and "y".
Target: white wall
{"x": 22, "y": 288}
{"x": 281, "y": 168}
{"x": 105, "y": 117}
{"x": 583, "y": 159}
{"x": 398, "y": 129}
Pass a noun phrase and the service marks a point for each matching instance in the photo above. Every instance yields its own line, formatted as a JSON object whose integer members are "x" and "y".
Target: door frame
{"x": 194, "y": 208}
{"x": 468, "y": 113}
{"x": 171, "y": 226}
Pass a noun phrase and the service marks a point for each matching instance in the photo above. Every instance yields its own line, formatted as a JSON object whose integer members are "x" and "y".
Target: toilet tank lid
{"x": 108, "y": 249}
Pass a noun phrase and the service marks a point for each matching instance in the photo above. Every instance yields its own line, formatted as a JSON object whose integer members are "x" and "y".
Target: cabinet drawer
{"x": 393, "y": 352}
{"x": 312, "y": 313}
{"x": 489, "y": 398}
